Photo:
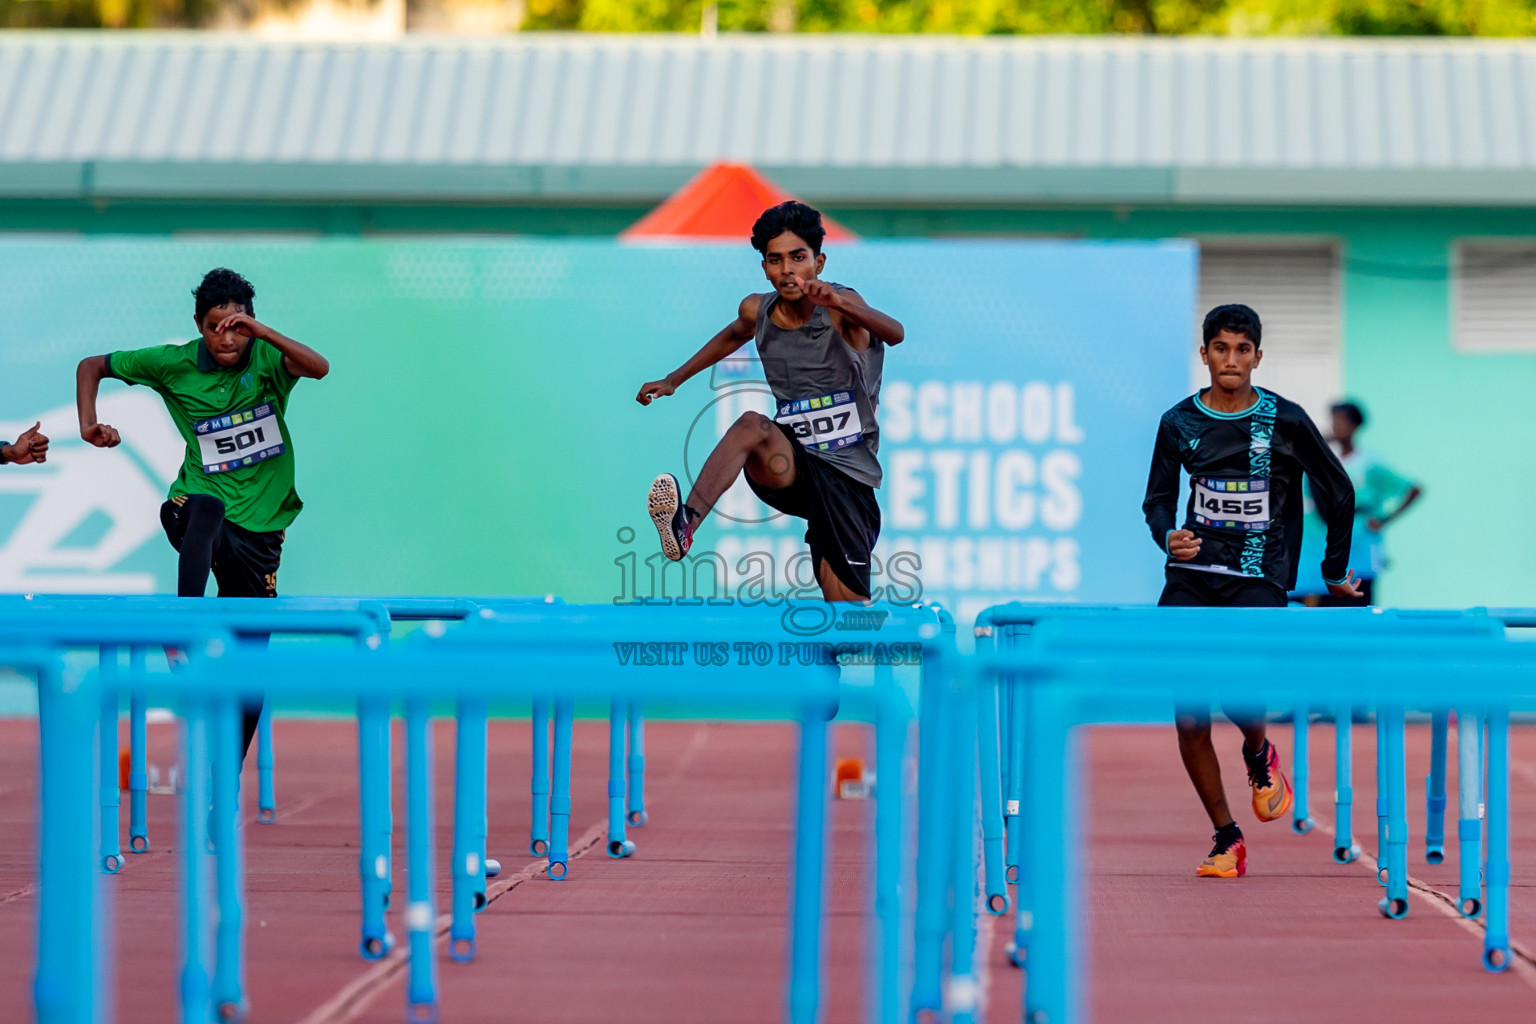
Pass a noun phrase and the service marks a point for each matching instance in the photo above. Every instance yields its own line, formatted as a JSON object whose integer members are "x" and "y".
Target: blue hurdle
{"x": 308, "y": 615}
{"x": 1012, "y": 623}
{"x": 209, "y": 692}
{"x": 1129, "y": 678}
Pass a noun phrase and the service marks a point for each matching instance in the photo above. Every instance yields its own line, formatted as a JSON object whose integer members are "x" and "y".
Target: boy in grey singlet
{"x": 822, "y": 349}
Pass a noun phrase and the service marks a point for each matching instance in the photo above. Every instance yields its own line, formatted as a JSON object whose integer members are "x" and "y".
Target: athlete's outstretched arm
{"x": 730, "y": 338}
{"x": 87, "y": 382}
{"x": 1161, "y": 505}
{"x": 298, "y": 359}
{"x": 1334, "y": 496}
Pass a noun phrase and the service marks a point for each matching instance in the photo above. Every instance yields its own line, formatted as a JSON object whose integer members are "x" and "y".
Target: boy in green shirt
{"x": 226, "y": 393}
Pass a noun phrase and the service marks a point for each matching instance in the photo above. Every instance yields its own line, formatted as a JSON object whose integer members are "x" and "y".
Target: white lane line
{"x": 349, "y": 1004}
{"x": 351, "y": 1001}
{"x": 1522, "y": 962}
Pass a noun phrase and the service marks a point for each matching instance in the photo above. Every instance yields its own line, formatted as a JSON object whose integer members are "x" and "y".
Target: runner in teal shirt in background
{"x": 1381, "y": 495}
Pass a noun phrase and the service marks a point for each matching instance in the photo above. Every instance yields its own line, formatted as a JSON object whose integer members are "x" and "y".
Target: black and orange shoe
{"x": 1228, "y": 857}
{"x": 674, "y": 520}
{"x": 1271, "y": 789}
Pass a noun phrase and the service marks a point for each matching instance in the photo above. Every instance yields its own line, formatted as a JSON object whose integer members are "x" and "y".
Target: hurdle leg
{"x": 479, "y": 770}
{"x": 1005, "y": 736}
{"x": 373, "y": 861}
{"x": 229, "y": 968}
{"x": 266, "y": 792}
{"x": 560, "y": 792}
{"x": 1017, "y": 730}
{"x": 195, "y": 1005}
{"x": 962, "y": 993}
{"x": 1054, "y": 991}
{"x": 1434, "y": 787}
{"x": 1301, "y": 772}
{"x": 1381, "y": 796}
{"x": 1395, "y": 903}
{"x": 1024, "y": 882}
{"x": 1469, "y": 802}
{"x": 138, "y": 775}
{"x": 988, "y": 759}
{"x": 637, "y": 815}
{"x": 1345, "y": 849}
{"x": 111, "y": 794}
{"x": 538, "y": 830}
{"x": 809, "y": 876}
{"x": 421, "y": 912}
{"x": 886, "y": 954}
{"x": 468, "y": 812}
{"x": 933, "y": 791}
{"x": 1496, "y": 943}
{"x": 619, "y": 845}
{"x": 66, "y": 985}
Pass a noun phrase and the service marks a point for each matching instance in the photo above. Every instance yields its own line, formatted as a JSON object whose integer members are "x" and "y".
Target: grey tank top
{"x": 813, "y": 361}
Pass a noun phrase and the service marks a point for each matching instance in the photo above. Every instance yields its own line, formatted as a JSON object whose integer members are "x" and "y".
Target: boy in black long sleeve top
{"x": 1245, "y": 450}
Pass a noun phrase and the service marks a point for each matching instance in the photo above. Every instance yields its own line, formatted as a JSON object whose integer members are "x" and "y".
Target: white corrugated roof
{"x": 830, "y": 104}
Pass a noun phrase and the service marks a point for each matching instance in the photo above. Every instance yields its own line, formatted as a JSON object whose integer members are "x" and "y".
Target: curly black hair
{"x": 793, "y": 216}
{"x": 222, "y": 287}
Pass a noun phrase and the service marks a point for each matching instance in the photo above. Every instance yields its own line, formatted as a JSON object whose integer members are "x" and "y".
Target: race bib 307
{"x": 825, "y": 423}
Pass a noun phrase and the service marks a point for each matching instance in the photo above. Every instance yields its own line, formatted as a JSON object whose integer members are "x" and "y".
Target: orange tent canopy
{"x": 719, "y": 205}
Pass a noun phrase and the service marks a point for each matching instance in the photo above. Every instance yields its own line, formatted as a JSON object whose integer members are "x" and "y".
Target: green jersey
{"x": 238, "y": 449}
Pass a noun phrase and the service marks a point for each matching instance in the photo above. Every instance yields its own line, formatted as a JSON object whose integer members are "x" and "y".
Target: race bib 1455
{"x": 1228, "y": 504}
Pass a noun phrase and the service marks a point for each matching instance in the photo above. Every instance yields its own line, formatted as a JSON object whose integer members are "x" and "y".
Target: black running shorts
{"x": 842, "y": 516}
{"x": 1191, "y": 588}
{"x": 244, "y": 561}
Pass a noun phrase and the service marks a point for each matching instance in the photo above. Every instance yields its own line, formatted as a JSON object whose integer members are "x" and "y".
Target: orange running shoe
{"x": 1227, "y": 860}
{"x": 1271, "y": 789}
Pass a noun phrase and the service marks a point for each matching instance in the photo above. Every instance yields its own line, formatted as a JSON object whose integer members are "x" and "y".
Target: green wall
{"x": 1458, "y": 423}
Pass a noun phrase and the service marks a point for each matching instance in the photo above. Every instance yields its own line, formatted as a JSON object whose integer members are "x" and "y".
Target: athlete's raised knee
{"x": 753, "y": 424}
{"x": 203, "y": 505}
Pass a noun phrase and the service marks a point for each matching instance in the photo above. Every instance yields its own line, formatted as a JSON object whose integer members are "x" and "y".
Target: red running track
{"x": 692, "y": 927}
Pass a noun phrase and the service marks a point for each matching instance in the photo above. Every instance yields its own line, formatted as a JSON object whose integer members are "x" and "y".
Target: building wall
{"x": 1460, "y": 424}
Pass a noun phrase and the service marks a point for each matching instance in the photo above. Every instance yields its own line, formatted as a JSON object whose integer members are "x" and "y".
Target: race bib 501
{"x": 825, "y": 423}
{"x": 239, "y": 439}
{"x": 1227, "y": 504}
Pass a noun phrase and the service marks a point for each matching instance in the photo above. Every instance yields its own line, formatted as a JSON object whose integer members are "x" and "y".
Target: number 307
{"x": 825, "y": 424}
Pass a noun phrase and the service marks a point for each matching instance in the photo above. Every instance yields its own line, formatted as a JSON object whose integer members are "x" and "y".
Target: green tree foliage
{"x": 1006, "y": 17}
{"x": 113, "y": 13}
{"x": 967, "y": 17}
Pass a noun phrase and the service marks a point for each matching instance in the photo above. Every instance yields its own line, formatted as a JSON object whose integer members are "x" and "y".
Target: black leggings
{"x": 236, "y": 557}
